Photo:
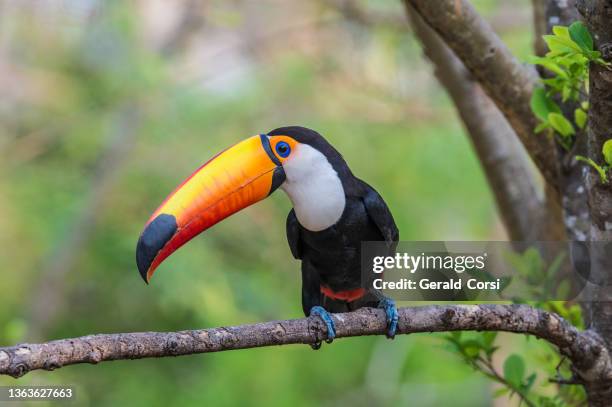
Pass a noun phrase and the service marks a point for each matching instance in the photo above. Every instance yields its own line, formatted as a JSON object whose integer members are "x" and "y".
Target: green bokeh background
{"x": 83, "y": 78}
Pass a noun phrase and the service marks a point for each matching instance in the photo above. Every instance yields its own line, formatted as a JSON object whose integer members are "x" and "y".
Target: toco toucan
{"x": 333, "y": 213}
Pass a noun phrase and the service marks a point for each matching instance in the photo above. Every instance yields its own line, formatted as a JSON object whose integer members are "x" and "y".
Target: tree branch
{"x": 501, "y": 154}
{"x": 585, "y": 349}
{"x": 499, "y": 151}
{"x": 508, "y": 83}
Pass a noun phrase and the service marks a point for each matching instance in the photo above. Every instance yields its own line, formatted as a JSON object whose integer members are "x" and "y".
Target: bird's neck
{"x": 317, "y": 194}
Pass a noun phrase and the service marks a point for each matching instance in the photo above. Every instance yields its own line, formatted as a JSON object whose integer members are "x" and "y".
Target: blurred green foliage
{"x": 367, "y": 89}
{"x": 532, "y": 379}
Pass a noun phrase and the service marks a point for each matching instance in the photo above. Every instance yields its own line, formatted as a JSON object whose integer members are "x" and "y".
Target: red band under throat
{"x": 348, "y": 295}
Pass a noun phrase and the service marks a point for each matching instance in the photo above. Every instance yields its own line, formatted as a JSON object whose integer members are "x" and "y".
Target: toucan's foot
{"x": 392, "y": 316}
{"x": 329, "y": 323}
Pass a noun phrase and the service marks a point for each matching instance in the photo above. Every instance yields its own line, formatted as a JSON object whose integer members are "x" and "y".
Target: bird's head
{"x": 234, "y": 179}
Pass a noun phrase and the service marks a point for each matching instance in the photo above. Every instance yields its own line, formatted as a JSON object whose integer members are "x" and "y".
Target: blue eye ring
{"x": 283, "y": 149}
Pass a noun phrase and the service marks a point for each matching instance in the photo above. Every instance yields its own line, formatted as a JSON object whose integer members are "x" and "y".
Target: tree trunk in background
{"x": 598, "y": 17}
{"x": 571, "y": 179}
{"x": 526, "y": 217}
{"x": 507, "y": 82}
{"x": 587, "y": 203}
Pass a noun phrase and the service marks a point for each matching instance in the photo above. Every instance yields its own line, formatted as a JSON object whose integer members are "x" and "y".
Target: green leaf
{"x": 488, "y": 338}
{"x": 595, "y": 56}
{"x": 555, "y": 83}
{"x": 514, "y": 370}
{"x": 580, "y": 117}
{"x": 603, "y": 176}
{"x": 542, "y": 105}
{"x": 581, "y": 36}
{"x": 548, "y": 64}
{"x": 561, "y": 124}
{"x": 607, "y": 151}
{"x": 561, "y": 31}
{"x": 560, "y": 45}
{"x": 529, "y": 383}
{"x": 566, "y": 93}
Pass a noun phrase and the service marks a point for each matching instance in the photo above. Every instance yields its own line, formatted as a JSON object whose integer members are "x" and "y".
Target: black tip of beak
{"x": 152, "y": 240}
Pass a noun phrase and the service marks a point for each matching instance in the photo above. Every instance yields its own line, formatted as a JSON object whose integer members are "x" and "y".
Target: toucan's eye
{"x": 283, "y": 149}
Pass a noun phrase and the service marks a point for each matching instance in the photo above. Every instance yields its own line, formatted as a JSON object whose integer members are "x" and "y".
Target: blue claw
{"x": 392, "y": 316}
{"x": 329, "y": 322}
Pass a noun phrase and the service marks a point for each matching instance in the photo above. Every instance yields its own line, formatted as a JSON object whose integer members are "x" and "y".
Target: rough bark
{"x": 585, "y": 199}
{"x": 571, "y": 184}
{"x": 597, "y": 15}
{"x": 500, "y": 152}
{"x": 591, "y": 360}
{"x": 508, "y": 83}
{"x": 559, "y": 12}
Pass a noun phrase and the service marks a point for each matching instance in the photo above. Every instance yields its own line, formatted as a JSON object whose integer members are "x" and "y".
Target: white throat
{"x": 314, "y": 188}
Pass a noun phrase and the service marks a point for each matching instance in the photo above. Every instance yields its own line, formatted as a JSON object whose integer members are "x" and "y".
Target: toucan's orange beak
{"x": 232, "y": 180}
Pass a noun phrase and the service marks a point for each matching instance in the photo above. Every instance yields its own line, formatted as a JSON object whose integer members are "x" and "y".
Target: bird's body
{"x": 331, "y": 258}
{"x": 333, "y": 214}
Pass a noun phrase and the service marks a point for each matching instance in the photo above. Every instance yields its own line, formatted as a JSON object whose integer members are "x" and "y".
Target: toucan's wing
{"x": 293, "y": 235}
{"x": 380, "y": 214}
